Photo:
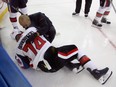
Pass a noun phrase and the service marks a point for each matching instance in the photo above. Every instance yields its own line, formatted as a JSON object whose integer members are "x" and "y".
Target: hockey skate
{"x": 104, "y": 20}
{"x": 74, "y": 13}
{"x": 101, "y": 75}
{"x": 15, "y": 32}
{"x": 75, "y": 67}
{"x": 96, "y": 24}
{"x": 86, "y": 15}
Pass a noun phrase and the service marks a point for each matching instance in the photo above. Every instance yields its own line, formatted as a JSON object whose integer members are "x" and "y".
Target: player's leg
{"x": 106, "y": 13}
{"x": 16, "y": 4}
{"x": 62, "y": 56}
{"x": 78, "y": 7}
{"x": 97, "y": 19}
{"x": 96, "y": 73}
{"x": 74, "y": 66}
{"x": 68, "y": 55}
{"x": 23, "y": 6}
{"x": 99, "y": 14}
{"x": 51, "y": 56}
{"x": 13, "y": 13}
{"x": 87, "y": 7}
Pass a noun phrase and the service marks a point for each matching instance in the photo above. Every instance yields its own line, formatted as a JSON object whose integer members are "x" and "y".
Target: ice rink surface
{"x": 99, "y": 45}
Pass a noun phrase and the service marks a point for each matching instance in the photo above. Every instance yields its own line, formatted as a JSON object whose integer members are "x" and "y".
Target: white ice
{"x": 99, "y": 45}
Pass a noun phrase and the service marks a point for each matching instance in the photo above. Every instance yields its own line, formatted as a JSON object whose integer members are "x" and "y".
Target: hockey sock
{"x": 106, "y": 13}
{"x": 13, "y": 19}
{"x": 98, "y": 16}
{"x": 87, "y": 63}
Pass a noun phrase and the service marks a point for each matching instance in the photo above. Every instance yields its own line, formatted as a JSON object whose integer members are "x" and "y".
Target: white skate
{"x": 105, "y": 77}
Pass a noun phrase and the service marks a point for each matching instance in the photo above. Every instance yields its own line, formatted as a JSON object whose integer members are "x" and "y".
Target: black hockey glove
{"x": 31, "y": 38}
{"x": 42, "y": 66}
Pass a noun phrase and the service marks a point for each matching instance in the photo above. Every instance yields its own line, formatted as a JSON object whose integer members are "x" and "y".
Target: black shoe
{"x": 95, "y": 22}
{"x": 75, "y": 13}
{"x": 86, "y": 15}
{"x": 98, "y": 73}
{"x": 104, "y": 20}
{"x": 75, "y": 67}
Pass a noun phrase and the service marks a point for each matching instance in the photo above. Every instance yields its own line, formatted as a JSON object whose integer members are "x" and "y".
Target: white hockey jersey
{"x": 34, "y": 51}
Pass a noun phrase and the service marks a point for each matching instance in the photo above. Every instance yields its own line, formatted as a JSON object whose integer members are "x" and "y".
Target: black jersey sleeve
{"x": 41, "y": 22}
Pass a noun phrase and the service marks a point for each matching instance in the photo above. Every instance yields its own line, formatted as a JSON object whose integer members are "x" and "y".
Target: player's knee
{"x": 83, "y": 60}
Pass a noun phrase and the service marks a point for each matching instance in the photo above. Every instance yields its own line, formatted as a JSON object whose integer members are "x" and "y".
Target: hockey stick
{"x": 10, "y": 6}
{"x": 17, "y": 10}
{"x": 113, "y": 7}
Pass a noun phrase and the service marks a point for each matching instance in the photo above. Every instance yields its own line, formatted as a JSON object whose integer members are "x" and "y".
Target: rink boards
{"x": 10, "y": 75}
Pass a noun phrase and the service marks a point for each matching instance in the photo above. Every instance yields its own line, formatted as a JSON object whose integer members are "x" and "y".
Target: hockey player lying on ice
{"x": 34, "y": 51}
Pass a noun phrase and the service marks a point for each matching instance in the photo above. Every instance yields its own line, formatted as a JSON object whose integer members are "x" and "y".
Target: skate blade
{"x": 96, "y": 26}
{"x": 105, "y": 77}
{"x": 106, "y": 23}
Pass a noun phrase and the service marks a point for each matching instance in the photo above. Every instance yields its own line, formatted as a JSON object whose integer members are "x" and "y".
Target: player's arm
{"x": 41, "y": 21}
{"x": 44, "y": 68}
{"x": 23, "y": 61}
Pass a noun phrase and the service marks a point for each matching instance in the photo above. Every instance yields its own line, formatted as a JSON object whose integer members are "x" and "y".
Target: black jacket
{"x": 41, "y": 22}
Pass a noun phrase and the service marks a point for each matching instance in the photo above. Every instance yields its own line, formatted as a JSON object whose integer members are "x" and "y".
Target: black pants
{"x": 87, "y": 6}
{"x": 57, "y": 62}
{"x": 17, "y": 4}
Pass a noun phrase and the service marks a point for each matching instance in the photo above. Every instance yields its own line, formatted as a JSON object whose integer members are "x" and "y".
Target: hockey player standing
{"x": 34, "y": 51}
{"x": 78, "y": 7}
{"x": 13, "y": 6}
{"x": 102, "y": 13}
{"x": 41, "y": 22}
